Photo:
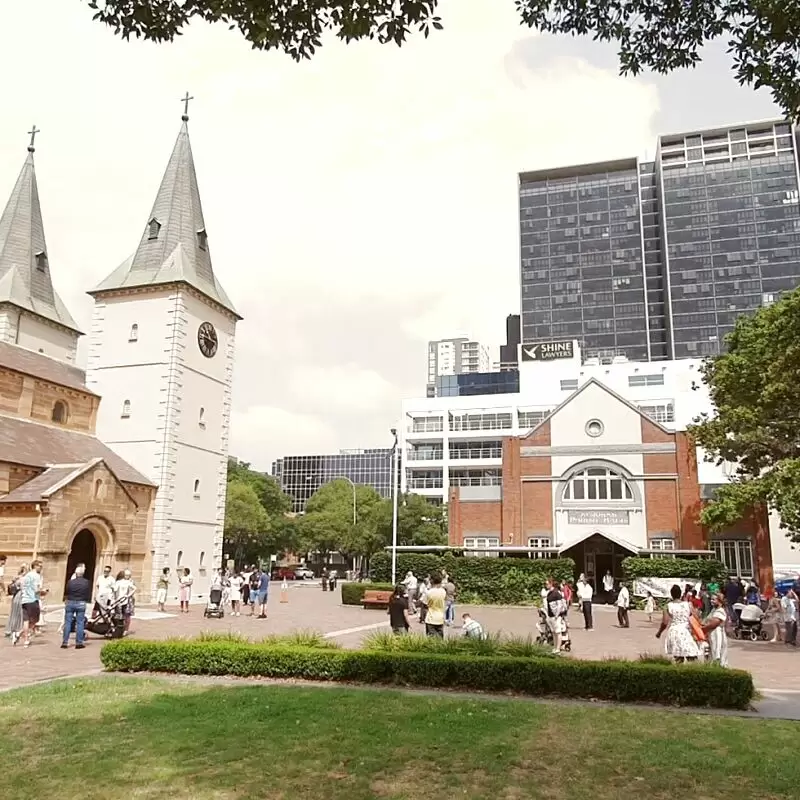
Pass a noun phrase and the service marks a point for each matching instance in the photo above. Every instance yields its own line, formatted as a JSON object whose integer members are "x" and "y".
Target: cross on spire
{"x": 185, "y": 100}
{"x": 33, "y": 133}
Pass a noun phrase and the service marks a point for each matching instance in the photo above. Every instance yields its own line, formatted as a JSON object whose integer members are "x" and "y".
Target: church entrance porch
{"x": 82, "y": 551}
{"x": 598, "y": 553}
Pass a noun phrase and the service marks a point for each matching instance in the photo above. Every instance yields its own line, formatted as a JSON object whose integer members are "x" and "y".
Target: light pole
{"x": 395, "y": 470}
{"x": 345, "y": 478}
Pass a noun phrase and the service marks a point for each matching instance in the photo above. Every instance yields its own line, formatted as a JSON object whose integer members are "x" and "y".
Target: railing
{"x": 480, "y": 424}
{"x": 425, "y": 483}
{"x": 476, "y": 452}
{"x": 425, "y": 455}
{"x": 426, "y": 426}
{"x": 490, "y": 480}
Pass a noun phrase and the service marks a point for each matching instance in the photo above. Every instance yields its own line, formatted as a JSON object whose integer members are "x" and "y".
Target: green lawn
{"x": 151, "y": 738}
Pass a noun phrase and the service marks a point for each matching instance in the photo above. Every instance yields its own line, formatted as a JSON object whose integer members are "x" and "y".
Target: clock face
{"x": 207, "y": 340}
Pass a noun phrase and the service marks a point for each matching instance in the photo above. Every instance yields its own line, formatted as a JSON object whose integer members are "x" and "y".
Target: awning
{"x": 611, "y": 538}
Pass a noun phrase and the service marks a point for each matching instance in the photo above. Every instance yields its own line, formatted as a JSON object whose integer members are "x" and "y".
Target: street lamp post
{"x": 395, "y": 470}
{"x": 345, "y": 478}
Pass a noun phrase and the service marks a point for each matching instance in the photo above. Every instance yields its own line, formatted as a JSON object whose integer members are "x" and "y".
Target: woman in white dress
{"x": 237, "y": 581}
{"x": 680, "y": 644}
{"x": 714, "y": 628}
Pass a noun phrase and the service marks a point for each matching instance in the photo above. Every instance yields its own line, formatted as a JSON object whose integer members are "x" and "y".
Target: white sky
{"x": 357, "y": 205}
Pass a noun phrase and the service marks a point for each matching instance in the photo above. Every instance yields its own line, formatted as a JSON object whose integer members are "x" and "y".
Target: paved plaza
{"x": 774, "y": 666}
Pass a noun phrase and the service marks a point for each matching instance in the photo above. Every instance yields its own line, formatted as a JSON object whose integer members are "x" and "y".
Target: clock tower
{"x": 161, "y": 353}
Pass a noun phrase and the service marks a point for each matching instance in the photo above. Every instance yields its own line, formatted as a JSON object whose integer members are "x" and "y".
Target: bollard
{"x": 284, "y": 592}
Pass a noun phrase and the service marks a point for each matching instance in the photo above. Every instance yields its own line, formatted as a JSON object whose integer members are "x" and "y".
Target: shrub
{"x": 303, "y": 638}
{"x": 701, "y": 569}
{"x": 616, "y": 681}
{"x": 507, "y": 581}
{"x": 493, "y": 645}
{"x": 353, "y": 593}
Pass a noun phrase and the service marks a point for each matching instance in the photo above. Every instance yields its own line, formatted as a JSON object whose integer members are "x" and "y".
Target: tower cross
{"x": 185, "y": 100}
{"x": 33, "y": 133}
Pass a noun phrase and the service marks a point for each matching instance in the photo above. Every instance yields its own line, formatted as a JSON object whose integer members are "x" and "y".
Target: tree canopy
{"x": 256, "y": 524}
{"x": 660, "y": 35}
{"x": 755, "y": 388}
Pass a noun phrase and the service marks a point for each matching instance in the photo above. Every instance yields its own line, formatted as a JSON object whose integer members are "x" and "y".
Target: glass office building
{"x": 478, "y": 383}
{"x": 656, "y": 260}
{"x": 301, "y": 476}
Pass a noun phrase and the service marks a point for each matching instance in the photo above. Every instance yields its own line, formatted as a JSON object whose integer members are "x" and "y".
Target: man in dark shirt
{"x": 77, "y": 595}
{"x": 556, "y": 613}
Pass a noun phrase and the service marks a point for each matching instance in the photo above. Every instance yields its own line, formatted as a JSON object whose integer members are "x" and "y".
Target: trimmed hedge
{"x": 632, "y": 682}
{"x": 701, "y": 569}
{"x": 353, "y": 593}
{"x": 505, "y": 581}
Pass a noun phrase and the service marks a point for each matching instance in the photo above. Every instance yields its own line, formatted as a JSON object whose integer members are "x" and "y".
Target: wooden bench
{"x": 376, "y": 599}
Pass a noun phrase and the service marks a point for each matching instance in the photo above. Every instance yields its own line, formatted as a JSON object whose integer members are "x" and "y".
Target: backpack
{"x": 13, "y": 588}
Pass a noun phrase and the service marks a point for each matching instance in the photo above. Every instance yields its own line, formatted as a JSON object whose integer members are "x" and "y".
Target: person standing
{"x": 399, "y": 617}
{"x": 263, "y": 593}
{"x": 437, "y": 599}
{"x": 185, "y": 590}
{"x": 556, "y": 612}
{"x": 14, "y": 622}
{"x": 608, "y": 587}
{"x": 32, "y": 591}
{"x": 125, "y": 591}
{"x": 237, "y": 584}
{"x": 623, "y": 603}
{"x": 649, "y": 606}
{"x": 104, "y": 588}
{"x": 410, "y": 583}
{"x": 255, "y": 581}
{"x": 162, "y": 589}
{"x": 714, "y": 629}
{"x": 76, "y": 596}
{"x": 680, "y": 643}
{"x": 450, "y": 602}
{"x": 585, "y": 594}
{"x": 3, "y": 560}
{"x": 422, "y": 599}
{"x": 789, "y": 606}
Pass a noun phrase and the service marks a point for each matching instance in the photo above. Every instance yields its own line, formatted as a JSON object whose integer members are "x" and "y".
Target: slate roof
{"x": 23, "y": 282}
{"x": 35, "y": 445}
{"x": 40, "y": 366}
{"x": 179, "y": 253}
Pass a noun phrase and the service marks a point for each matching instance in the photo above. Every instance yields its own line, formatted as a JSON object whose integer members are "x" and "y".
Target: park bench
{"x": 376, "y": 599}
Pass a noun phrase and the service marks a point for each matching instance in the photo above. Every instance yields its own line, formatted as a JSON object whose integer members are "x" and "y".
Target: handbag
{"x": 697, "y": 629}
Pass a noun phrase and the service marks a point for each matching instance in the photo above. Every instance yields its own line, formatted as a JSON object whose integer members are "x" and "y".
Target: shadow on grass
{"x": 151, "y": 738}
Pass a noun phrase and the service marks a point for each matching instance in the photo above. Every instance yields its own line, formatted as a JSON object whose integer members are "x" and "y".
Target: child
{"x": 649, "y": 606}
{"x": 471, "y": 628}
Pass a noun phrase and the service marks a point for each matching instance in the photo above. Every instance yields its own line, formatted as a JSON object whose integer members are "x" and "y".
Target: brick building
{"x": 596, "y": 481}
{"x": 65, "y": 497}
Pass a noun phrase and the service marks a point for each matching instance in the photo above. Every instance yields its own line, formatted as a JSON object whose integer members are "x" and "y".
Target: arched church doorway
{"x": 83, "y": 551}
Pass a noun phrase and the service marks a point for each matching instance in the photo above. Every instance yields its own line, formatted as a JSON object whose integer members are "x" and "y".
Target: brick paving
{"x": 774, "y": 666}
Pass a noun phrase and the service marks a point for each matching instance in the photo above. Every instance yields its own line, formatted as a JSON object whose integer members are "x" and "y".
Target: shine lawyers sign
{"x": 547, "y": 351}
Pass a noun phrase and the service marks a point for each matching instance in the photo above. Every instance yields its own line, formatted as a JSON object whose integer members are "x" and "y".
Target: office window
{"x": 569, "y": 385}
{"x": 539, "y": 542}
{"x": 646, "y": 380}
{"x": 664, "y": 544}
{"x": 133, "y": 336}
{"x": 659, "y": 412}
{"x": 126, "y": 409}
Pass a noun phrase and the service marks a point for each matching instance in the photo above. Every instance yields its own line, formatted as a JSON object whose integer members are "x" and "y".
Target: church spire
{"x": 174, "y": 245}
{"x": 24, "y": 266}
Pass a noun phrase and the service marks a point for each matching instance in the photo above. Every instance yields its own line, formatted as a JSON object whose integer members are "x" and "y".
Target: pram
{"x": 748, "y": 622}
{"x": 107, "y": 620}
{"x": 214, "y": 607}
{"x": 545, "y": 636}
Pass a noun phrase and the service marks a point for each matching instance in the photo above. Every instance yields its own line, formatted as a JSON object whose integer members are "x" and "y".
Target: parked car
{"x": 301, "y": 573}
{"x": 283, "y": 574}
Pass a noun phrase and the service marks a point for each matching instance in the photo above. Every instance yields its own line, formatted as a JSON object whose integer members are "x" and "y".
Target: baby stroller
{"x": 214, "y": 606}
{"x": 107, "y": 621}
{"x": 748, "y": 623}
{"x": 545, "y": 636}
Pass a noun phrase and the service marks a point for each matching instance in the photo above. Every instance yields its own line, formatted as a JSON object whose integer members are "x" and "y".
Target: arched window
{"x": 597, "y": 483}
{"x": 98, "y": 488}
{"x": 153, "y": 227}
{"x": 126, "y": 409}
{"x": 197, "y": 487}
{"x": 134, "y": 334}
{"x": 202, "y": 559}
{"x": 180, "y": 558}
{"x": 201, "y": 418}
{"x": 60, "y": 412}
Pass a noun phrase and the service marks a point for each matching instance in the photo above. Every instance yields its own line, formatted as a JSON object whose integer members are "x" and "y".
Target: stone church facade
{"x": 138, "y": 480}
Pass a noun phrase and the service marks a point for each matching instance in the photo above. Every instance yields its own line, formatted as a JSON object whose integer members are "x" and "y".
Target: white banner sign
{"x": 660, "y": 587}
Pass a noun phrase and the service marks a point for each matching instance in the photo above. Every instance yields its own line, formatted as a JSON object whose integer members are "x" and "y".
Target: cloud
{"x": 356, "y": 205}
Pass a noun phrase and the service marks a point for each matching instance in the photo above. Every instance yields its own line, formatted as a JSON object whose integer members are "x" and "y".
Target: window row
{"x": 126, "y": 413}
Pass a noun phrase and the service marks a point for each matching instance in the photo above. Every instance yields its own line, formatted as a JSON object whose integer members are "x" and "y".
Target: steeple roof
{"x": 24, "y": 267}
{"x": 174, "y": 244}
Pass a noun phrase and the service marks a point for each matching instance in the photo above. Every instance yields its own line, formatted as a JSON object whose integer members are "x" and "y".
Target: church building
{"x": 161, "y": 351}
{"x": 65, "y": 497}
{"x": 126, "y": 463}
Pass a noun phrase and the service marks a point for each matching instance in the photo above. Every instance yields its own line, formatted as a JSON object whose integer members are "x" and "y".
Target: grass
{"x": 495, "y": 644}
{"x": 153, "y": 738}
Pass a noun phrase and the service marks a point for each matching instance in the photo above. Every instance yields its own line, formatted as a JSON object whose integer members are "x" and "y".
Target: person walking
{"x": 437, "y": 599}
{"x": 623, "y": 603}
{"x": 263, "y": 593}
{"x": 450, "y": 602}
{"x": 78, "y": 593}
{"x": 680, "y": 643}
{"x": 422, "y": 599}
{"x": 32, "y": 591}
{"x": 585, "y": 594}
{"x": 399, "y": 616}
{"x": 14, "y": 622}
{"x": 125, "y": 592}
{"x": 255, "y": 581}
{"x": 650, "y": 606}
{"x": 789, "y": 606}
{"x": 714, "y": 629}
{"x": 556, "y": 614}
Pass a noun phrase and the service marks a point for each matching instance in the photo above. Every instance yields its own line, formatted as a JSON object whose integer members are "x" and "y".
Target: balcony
{"x": 425, "y": 455}
{"x": 425, "y": 483}
{"x": 475, "y": 453}
{"x": 432, "y": 425}
{"x": 466, "y": 480}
